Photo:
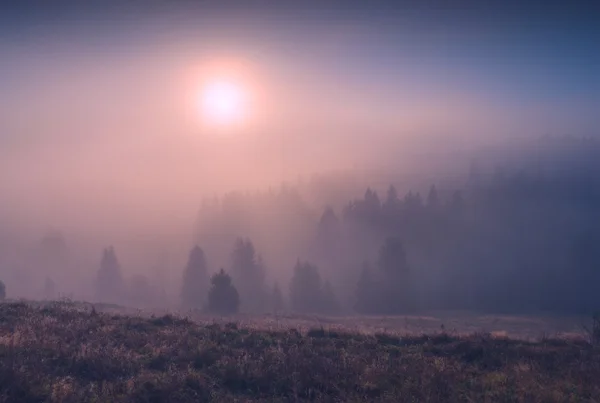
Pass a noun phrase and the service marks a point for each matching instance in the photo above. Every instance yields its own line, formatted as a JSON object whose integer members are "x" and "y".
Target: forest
{"x": 515, "y": 238}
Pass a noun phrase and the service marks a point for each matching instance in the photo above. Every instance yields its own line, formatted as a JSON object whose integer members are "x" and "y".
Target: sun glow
{"x": 223, "y": 102}
{"x": 225, "y": 95}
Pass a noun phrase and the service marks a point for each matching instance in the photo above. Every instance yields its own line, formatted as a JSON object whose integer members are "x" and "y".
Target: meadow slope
{"x": 64, "y": 353}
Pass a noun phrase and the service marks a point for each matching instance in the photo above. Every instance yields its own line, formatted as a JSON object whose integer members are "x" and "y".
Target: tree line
{"x": 506, "y": 242}
{"x": 224, "y": 292}
{"x": 511, "y": 241}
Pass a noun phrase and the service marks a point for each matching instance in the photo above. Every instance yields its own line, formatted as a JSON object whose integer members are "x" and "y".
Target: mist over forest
{"x": 314, "y": 157}
{"x": 513, "y": 228}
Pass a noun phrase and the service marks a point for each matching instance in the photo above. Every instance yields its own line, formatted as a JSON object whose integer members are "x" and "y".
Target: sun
{"x": 224, "y": 95}
{"x": 223, "y": 102}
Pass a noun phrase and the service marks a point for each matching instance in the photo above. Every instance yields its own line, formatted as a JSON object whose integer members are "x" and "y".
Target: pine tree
{"x": 395, "y": 277}
{"x": 305, "y": 288}
{"x": 329, "y": 225}
{"x": 248, "y": 272}
{"x": 195, "y": 280}
{"x": 391, "y": 209}
{"x": 327, "y": 247}
{"x": 392, "y": 257}
{"x": 457, "y": 205}
{"x": 432, "y": 198}
{"x": 109, "y": 281}
{"x": 413, "y": 202}
{"x": 372, "y": 200}
{"x": 372, "y": 206}
{"x": 223, "y": 298}
{"x": 391, "y": 200}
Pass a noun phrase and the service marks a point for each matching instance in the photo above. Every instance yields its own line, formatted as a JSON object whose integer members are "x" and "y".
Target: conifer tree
{"x": 305, "y": 288}
{"x": 223, "y": 298}
{"x": 109, "y": 281}
{"x": 248, "y": 272}
{"x": 195, "y": 280}
{"x": 395, "y": 287}
{"x": 433, "y": 200}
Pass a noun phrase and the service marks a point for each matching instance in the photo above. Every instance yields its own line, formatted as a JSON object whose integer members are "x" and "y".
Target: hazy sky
{"x": 95, "y": 95}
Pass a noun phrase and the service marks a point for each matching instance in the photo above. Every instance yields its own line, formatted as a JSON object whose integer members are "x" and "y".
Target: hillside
{"x": 61, "y": 353}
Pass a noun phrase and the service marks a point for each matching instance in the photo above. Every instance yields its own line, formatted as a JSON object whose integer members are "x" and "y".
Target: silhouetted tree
{"x": 457, "y": 205}
{"x": 413, "y": 203}
{"x": 391, "y": 199}
{"x": 391, "y": 217}
{"x": 372, "y": 207}
{"x": 525, "y": 237}
{"x": 372, "y": 200}
{"x": 223, "y": 298}
{"x": 329, "y": 225}
{"x": 391, "y": 206}
{"x": 433, "y": 200}
{"x": 366, "y": 292}
{"x": 109, "y": 281}
{"x": 195, "y": 280}
{"x": 366, "y": 211}
{"x": 249, "y": 273}
{"x": 305, "y": 288}
{"x": 2, "y": 291}
{"x": 395, "y": 276}
{"x": 392, "y": 257}
{"x": 329, "y": 239}
{"x": 328, "y": 231}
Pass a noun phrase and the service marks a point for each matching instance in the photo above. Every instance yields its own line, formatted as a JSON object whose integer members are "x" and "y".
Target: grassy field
{"x": 523, "y": 327}
{"x": 67, "y": 353}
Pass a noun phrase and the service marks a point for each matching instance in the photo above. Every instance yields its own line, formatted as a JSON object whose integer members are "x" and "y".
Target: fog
{"x": 102, "y": 144}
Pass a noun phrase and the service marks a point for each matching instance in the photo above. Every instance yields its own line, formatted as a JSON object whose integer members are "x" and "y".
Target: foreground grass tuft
{"x": 57, "y": 353}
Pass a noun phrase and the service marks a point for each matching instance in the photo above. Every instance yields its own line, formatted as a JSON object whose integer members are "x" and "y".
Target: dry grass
{"x": 65, "y": 353}
{"x": 523, "y": 327}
